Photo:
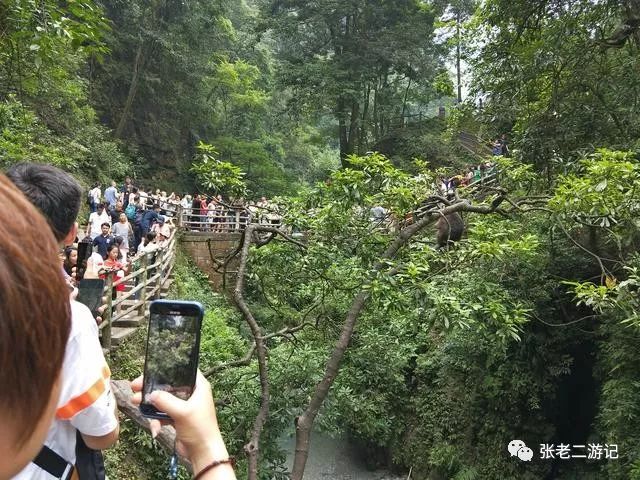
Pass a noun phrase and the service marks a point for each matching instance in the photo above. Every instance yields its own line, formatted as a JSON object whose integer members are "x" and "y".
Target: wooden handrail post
{"x": 143, "y": 291}
{"x": 179, "y": 213}
{"x": 107, "y": 314}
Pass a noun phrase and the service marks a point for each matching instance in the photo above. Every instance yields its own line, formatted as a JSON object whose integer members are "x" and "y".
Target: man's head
{"x": 113, "y": 184}
{"x": 55, "y": 193}
{"x": 35, "y": 320}
{"x": 118, "y": 205}
{"x": 156, "y": 207}
{"x": 105, "y": 227}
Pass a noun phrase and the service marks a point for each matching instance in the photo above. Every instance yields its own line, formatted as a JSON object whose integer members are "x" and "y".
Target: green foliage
{"x": 215, "y": 175}
{"x": 45, "y": 115}
{"x": 553, "y": 80}
{"x": 447, "y": 325}
{"x": 363, "y": 64}
{"x": 602, "y": 192}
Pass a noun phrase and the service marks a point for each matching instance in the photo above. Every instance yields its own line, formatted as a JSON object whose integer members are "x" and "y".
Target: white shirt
{"x": 96, "y": 194}
{"x": 96, "y": 222}
{"x": 150, "y": 247}
{"x": 86, "y": 402}
{"x": 97, "y": 261}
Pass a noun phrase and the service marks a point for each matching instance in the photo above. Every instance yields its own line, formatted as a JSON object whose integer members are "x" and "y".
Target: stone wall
{"x": 201, "y": 245}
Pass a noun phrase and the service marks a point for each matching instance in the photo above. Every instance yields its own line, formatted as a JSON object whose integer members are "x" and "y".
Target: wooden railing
{"x": 225, "y": 219}
{"x": 150, "y": 273}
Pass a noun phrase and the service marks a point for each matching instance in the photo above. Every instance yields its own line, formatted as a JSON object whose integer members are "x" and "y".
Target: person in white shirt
{"x": 96, "y": 219}
{"x": 143, "y": 197}
{"x": 35, "y": 324}
{"x": 95, "y": 195}
{"x": 85, "y": 403}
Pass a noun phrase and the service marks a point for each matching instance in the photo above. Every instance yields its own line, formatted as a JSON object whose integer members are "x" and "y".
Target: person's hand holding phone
{"x": 198, "y": 436}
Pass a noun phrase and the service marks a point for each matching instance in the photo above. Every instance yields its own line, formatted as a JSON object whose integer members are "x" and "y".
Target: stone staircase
{"x": 128, "y": 325}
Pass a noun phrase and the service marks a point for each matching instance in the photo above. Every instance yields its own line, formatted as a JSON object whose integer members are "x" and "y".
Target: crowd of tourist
{"x": 200, "y": 212}
{"x": 57, "y": 417}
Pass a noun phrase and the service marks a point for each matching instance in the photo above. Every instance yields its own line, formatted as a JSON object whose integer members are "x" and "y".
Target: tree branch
{"x": 252, "y": 448}
{"x": 244, "y": 361}
{"x": 304, "y": 422}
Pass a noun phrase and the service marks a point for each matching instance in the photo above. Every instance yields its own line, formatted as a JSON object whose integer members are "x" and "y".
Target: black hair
{"x": 118, "y": 240}
{"x": 150, "y": 237}
{"x": 156, "y": 205}
{"x": 55, "y": 193}
{"x": 106, "y": 223}
{"x": 111, "y": 247}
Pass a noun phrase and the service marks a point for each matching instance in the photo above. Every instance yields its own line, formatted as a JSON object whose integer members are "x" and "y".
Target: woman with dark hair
{"x": 117, "y": 269}
{"x": 35, "y": 321}
{"x": 70, "y": 260}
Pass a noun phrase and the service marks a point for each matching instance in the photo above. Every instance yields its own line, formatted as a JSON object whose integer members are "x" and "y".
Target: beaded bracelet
{"x": 231, "y": 461}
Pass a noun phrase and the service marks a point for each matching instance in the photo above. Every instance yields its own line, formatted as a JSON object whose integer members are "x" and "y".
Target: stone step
{"x": 119, "y": 334}
{"x": 130, "y": 320}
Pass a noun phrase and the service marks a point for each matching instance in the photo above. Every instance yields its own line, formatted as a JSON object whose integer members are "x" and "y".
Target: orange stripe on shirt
{"x": 86, "y": 399}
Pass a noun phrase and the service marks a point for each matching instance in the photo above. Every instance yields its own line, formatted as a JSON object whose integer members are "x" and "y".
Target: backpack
{"x": 130, "y": 212}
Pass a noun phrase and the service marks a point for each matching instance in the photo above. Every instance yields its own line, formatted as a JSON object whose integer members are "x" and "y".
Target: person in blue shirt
{"x": 148, "y": 218}
{"x": 111, "y": 195}
{"x": 104, "y": 240}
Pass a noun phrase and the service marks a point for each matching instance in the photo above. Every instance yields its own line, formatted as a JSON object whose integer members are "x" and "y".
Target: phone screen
{"x": 173, "y": 347}
{"x": 84, "y": 252}
{"x": 90, "y": 292}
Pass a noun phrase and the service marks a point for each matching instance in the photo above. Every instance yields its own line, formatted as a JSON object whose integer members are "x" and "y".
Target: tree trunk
{"x": 354, "y": 126}
{"x": 348, "y": 134}
{"x": 376, "y": 125}
{"x": 458, "y": 57}
{"x": 404, "y": 102}
{"x": 252, "y": 448}
{"x": 133, "y": 88}
{"x": 362, "y": 138}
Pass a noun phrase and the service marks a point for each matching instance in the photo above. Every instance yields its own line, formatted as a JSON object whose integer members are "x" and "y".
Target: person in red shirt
{"x": 203, "y": 208}
{"x": 118, "y": 270}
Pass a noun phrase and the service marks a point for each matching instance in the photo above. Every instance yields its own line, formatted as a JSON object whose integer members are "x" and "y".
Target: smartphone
{"x": 173, "y": 348}
{"x": 85, "y": 248}
{"x": 90, "y": 293}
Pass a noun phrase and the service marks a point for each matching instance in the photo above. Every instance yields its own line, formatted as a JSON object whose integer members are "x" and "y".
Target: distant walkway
{"x": 224, "y": 219}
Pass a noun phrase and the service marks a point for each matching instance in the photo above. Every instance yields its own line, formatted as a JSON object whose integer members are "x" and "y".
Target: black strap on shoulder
{"x": 54, "y": 464}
